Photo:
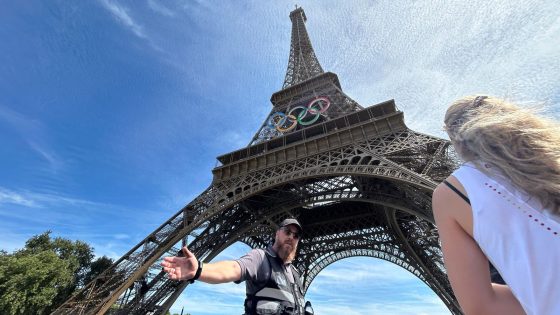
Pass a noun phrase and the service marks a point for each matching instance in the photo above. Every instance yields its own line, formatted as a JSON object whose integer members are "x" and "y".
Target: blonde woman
{"x": 502, "y": 205}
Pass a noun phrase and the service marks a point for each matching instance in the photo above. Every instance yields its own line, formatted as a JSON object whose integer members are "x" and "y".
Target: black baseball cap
{"x": 291, "y": 221}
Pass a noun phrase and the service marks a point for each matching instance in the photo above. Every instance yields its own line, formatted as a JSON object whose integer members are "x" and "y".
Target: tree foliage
{"x": 96, "y": 268}
{"x": 30, "y": 283}
{"x": 39, "y": 277}
{"x": 77, "y": 252}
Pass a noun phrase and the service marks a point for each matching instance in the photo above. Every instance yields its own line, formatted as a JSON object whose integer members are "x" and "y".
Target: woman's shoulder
{"x": 449, "y": 206}
{"x": 445, "y": 195}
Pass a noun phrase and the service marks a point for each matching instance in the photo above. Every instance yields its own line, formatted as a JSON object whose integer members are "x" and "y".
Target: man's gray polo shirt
{"x": 255, "y": 269}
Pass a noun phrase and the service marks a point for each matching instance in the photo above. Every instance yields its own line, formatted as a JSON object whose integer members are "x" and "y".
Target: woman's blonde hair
{"x": 519, "y": 144}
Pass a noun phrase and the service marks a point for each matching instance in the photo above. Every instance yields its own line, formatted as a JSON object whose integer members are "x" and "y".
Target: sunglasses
{"x": 290, "y": 232}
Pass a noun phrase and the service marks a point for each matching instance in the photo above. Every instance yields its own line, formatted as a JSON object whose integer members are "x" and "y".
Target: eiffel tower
{"x": 358, "y": 179}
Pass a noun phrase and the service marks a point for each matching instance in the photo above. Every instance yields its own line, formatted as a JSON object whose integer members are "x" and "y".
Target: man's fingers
{"x": 187, "y": 252}
{"x": 175, "y": 259}
{"x": 167, "y": 263}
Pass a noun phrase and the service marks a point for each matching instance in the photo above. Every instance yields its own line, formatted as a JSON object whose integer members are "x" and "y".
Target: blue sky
{"x": 112, "y": 112}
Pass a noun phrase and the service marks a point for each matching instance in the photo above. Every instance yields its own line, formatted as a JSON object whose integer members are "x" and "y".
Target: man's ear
{"x": 275, "y": 236}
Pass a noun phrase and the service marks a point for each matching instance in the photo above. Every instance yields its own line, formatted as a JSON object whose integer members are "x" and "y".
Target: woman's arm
{"x": 466, "y": 264}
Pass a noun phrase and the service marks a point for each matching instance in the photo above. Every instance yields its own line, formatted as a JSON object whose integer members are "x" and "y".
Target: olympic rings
{"x": 278, "y": 121}
{"x": 323, "y": 108}
{"x": 284, "y": 123}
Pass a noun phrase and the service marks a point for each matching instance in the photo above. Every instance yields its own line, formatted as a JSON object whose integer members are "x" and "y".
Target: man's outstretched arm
{"x": 184, "y": 268}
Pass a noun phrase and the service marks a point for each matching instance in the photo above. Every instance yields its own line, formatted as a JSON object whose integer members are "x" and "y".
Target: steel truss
{"x": 358, "y": 179}
{"x": 353, "y": 200}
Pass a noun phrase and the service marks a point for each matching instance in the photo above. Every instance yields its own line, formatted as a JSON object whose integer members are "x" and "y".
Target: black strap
{"x": 251, "y": 299}
{"x": 198, "y": 272}
{"x": 457, "y": 191}
{"x": 297, "y": 279}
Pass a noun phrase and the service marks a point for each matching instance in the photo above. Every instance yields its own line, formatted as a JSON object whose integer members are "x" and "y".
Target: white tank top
{"x": 520, "y": 239}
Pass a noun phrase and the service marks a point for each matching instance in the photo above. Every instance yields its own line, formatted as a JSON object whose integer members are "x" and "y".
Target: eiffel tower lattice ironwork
{"x": 358, "y": 179}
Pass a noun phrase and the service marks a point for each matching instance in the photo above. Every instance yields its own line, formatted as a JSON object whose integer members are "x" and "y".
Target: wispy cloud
{"x": 373, "y": 287}
{"x": 11, "y": 197}
{"x": 58, "y": 210}
{"x": 188, "y": 5}
{"x": 159, "y": 8}
{"x": 25, "y": 213}
{"x": 34, "y": 134}
{"x": 121, "y": 236}
{"x": 231, "y": 140}
{"x": 395, "y": 308}
{"x": 44, "y": 211}
{"x": 426, "y": 63}
{"x": 122, "y": 15}
{"x": 47, "y": 154}
{"x": 41, "y": 200}
{"x": 363, "y": 271}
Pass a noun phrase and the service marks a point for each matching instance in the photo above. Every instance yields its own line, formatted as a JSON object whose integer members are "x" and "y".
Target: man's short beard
{"x": 285, "y": 254}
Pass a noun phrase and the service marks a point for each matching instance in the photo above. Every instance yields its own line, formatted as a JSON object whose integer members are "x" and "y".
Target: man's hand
{"x": 180, "y": 268}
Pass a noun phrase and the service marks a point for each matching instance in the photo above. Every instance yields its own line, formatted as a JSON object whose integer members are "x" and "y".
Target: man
{"x": 273, "y": 284}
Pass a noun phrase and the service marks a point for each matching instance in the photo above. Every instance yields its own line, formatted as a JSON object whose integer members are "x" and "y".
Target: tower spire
{"x": 303, "y": 63}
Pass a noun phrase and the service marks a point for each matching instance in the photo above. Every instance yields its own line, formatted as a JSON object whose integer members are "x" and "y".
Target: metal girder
{"x": 231, "y": 224}
{"x": 342, "y": 166}
{"x": 358, "y": 179}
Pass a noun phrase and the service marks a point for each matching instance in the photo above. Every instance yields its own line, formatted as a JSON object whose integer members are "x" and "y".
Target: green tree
{"x": 97, "y": 267}
{"x": 78, "y": 252}
{"x": 41, "y": 276}
{"x": 30, "y": 283}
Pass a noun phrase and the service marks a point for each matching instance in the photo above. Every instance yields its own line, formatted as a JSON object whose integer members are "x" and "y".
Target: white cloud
{"x": 122, "y": 15}
{"x": 425, "y": 61}
{"x": 34, "y": 134}
{"x": 11, "y": 197}
{"x": 232, "y": 140}
{"x": 113, "y": 250}
{"x": 42, "y": 200}
{"x": 395, "y": 308}
{"x": 121, "y": 236}
{"x": 363, "y": 271}
{"x": 25, "y": 213}
{"x": 159, "y": 8}
{"x": 50, "y": 156}
{"x": 371, "y": 286}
